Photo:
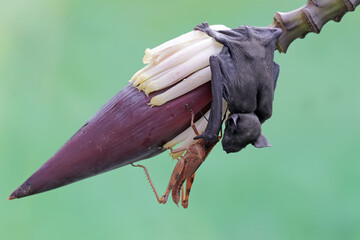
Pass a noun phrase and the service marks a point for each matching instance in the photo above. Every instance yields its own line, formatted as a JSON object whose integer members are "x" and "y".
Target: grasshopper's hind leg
{"x": 174, "y": 177}
{"x": 148, "y": 177}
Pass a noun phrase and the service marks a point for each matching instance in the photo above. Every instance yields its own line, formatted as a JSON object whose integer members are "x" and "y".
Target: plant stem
{"x": 309, "y": 18}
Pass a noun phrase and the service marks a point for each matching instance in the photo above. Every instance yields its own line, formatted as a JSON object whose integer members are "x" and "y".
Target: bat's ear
{"x": 261, "y": 142}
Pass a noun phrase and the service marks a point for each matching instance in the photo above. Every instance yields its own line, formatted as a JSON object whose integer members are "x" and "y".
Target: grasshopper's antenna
{"x": 198, "y": 110}
{"x": 222, "y": 121}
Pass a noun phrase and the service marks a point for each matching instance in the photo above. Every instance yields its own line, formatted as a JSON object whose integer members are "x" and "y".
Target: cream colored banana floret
{"x": 182, "y": 63}
{"x": 193, "y": 81}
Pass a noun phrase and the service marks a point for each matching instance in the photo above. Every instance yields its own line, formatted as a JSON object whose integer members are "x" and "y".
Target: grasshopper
{"x": 184, "y": 169}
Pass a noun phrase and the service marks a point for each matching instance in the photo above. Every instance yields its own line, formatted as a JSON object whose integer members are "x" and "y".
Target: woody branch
{"x": 309, "y": 18}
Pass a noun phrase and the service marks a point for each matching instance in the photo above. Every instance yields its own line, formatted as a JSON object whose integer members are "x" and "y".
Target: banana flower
{"x": 142, "y": 120}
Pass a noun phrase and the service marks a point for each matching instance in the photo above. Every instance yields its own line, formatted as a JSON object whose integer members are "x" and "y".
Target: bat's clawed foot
{"x": 202, "y": 27}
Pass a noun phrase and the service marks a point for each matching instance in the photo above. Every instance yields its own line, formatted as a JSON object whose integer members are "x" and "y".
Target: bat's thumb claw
{"x": 198, "y": 137}
{"x": 208, "y": 137}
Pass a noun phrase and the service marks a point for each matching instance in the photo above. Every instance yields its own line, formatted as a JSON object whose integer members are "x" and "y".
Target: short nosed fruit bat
{"x": 245, "y": 75}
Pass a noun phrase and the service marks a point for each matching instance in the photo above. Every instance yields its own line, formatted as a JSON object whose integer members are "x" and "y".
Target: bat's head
{"x": 242, "y": 129}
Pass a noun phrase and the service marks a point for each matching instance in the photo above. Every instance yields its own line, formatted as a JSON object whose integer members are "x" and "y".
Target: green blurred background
{"x": 61, "y": 60}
